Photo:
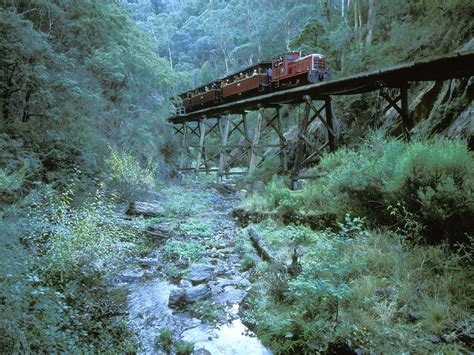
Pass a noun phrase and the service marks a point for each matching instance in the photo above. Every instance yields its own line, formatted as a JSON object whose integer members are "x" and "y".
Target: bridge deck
{"x": 453, "y": 66}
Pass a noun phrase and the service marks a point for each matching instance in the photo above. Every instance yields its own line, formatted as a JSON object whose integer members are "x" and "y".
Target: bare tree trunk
{"x": 343, "y": 3}
{"x": 169, "y": 54}
{"x": 287, "y": 36}
{"x": 7, "y": 93}
{"x": 359, "y": 12}
{"x": 370, "y": 22}
{"x": 356, "y": 21}
{"x": 225, "y": 61}
{"x": 26, "y": 107}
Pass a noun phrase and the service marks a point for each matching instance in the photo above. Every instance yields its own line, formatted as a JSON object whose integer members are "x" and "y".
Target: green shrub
{"x": 53, "y": 292}
{"x": 185, "y": 252}
{"x": 194, "y": 226}
{"x": 165, "y": 340}
{"x": 82, "y": 237}
{"x": 269, "y": 167}
{"x": 185, "y": 202}
{"x": 247, "y": 263}
{"x": 206, "y": 311}
{"x": 10, "y": 183}
{"x": 184, "y": 348}
{"x": 127, "y": 177}
{"x": 359, "y": 287}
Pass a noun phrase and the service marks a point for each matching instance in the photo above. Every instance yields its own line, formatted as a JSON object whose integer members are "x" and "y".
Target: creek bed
{"x": 149, "y": 294}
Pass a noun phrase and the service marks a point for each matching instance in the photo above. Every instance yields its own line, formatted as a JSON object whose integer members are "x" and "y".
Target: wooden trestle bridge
{"x": 231, "y": 118}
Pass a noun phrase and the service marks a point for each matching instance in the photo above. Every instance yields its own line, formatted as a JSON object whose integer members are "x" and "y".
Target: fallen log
{"x": 264, "y": 251}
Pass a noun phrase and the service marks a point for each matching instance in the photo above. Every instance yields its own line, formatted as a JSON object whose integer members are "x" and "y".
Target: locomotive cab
{"x": 319, "y": 71}
{"x": 281, "y": 64}
{"x": 291, "y": 69}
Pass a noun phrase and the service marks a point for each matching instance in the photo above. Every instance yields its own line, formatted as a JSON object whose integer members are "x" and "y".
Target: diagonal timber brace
{"x": 305, "y": 149}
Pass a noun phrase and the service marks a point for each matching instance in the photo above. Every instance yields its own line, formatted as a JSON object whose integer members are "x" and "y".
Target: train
{"x": 283, "y": 71}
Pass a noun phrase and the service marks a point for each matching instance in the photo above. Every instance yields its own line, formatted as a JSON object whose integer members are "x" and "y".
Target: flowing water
{"x": 149, "y": 312}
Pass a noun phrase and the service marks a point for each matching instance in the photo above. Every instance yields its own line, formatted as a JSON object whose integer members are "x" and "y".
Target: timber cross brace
{"x": 251, "y": 146}
{"x": 305, "y": 149}
{"x": 199, "y": 154}
{"x": 395, "y": 97}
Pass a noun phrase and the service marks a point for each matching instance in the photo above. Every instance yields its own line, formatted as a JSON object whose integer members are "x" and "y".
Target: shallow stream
{"x": 149, "y": 292}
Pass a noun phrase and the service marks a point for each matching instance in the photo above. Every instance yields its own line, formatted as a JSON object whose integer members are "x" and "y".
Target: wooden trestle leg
{"x": 407, "y": 124}
{"x": 183, "y": 146}
{"x": 304, "y": 141}
{"x": 224, "y": 123}
{"x": 201, "y": 148}
{"x": 283, "y": 155}
{"x": 256, "y": 139}
{"x": 402, "y": 109}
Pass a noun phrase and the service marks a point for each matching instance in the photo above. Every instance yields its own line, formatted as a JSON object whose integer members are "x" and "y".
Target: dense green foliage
{"x": 430, "y": 184}
{"x": 77, "y": 77}
{"x": 358, "y": 290}
{"x": 54, "y": 297}
{"x": 210, "y": 38}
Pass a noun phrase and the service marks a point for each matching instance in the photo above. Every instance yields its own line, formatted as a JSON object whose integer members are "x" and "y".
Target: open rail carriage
{"x": 201, "y": 97}
{"x": 246, "y": 82}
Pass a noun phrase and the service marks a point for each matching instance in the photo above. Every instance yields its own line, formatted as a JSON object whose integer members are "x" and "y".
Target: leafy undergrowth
{"x": 370, "y": 282}
{"x": 424, "y": 188}
{"x": 55, "y": 288}
{"x": 369, "y": 290}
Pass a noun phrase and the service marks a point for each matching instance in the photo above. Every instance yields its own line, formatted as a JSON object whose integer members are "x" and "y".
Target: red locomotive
{"x": 286, "y": 70}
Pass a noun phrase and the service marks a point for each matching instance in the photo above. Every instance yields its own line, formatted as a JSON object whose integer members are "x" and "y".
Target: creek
{"x": 218, "y": 280}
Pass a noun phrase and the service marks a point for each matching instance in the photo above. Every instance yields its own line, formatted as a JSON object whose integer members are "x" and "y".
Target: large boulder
{"x": 177, "y": 298}
{"x": 200, "y": 273}
{"x": 145, "y": 209}
{"x": 197, "y": 293}
{"x": 181, "y": 297}
{"x": 231, "y": 296}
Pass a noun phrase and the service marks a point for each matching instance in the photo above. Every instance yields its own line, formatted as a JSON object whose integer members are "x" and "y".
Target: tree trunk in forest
{"x": 287, "y": 36}
{"x": 225, "y": 61}
{"x": 264, "y": 251}
{"x": 359, "y": 12}
{"x": 9, "y": 91}
{"x": 370, "y": 22}
{"x": 358, "y": 21}
{"x": 327, "y": 13}
{"x": 169, "y": 54}
{"x": 26, "y": 107}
